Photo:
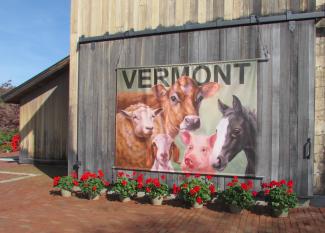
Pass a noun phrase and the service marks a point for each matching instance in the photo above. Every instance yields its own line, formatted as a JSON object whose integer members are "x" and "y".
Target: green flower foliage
{"x": 154, "y": 188}
{"x": 125, "y": 186}
{"x": 196, "y": 189}
{"x": 237, "y": 194}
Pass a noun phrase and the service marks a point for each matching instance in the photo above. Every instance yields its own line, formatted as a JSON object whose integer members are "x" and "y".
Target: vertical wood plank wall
{"x": 93, "y": 18}
{"x": 284, "y": 80}
{"x": 44, "y": 121}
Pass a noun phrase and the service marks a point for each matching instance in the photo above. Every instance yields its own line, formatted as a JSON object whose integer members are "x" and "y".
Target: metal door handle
{"x": 307, "y": 148}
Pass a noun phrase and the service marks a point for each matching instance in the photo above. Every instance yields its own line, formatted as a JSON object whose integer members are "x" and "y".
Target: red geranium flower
{"x": 148, "y": 190}
{"x": 192, "y": 192}
{"x": 264, "y": 185}
{"x": 197, "y": 175}
{"x": 197, "y": 188}
{"x": 75, "y": 183}
{"x": 163, "y": 177}
{"x": 134, "y": 173}
{"x": 56, "y": 180}
{"x": 106, "y": 183}
{"x": 250, "y": 184}
{"x": 212, "y": 188}
{"x": 254, "y": 193}
{"x": 124, "y": 182}
{"x": 282, "y": 182}
{"x": 175, "y": 189}
{"x": 289, "y": 191}
{"x": 74, "y": 175}
{"x": 100, "y": 173}
{"x": 140, "y": 185}
{"x": 185, "y": 186}
{"x": 149, "y": 180}
{"x": 235, "y": 179}
{"x": 267, "y": 192}
{"x": 274, "y": 183}
{"x": 290, "y": 183}
{"x": 94, "y": 188}
{"x": 230, "y": 184}
{"x": 208, "y": 177}
{"x": 199, "y": 200}
{"x": 120, "y": 174}
{"x": 244, "y": 186}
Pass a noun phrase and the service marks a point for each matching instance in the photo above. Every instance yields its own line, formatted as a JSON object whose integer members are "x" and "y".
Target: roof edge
{"x": 12, "y": 95}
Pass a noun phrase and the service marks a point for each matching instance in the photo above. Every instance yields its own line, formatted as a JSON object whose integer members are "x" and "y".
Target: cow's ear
{"x": 159, "y": 91}
{"x": 209, "y": 89}
{"x": 126, "y": 114}
{"x": 236, "y": 104}
{"x": 212, "y": 139}
{"x": 186, "y": 137}
{"x": 157, "y": 111}
{"x": 222, "y": 107}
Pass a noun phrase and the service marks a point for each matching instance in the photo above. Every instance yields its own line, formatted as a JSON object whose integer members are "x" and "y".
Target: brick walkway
{"x": 28, "y": 206}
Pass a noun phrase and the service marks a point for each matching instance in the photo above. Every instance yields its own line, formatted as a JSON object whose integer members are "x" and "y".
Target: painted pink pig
{"x": 198, "y": 152}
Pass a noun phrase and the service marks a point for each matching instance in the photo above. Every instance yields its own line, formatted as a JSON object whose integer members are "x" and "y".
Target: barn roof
{"x": 49, "y": 74}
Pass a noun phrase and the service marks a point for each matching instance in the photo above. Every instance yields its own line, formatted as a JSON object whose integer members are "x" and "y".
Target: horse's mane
{"x": 249, "y": 114}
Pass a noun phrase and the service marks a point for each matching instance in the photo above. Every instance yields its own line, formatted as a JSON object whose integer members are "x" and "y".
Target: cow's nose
{"x": 192, "y": 122}
{"x": 149, "y": 128}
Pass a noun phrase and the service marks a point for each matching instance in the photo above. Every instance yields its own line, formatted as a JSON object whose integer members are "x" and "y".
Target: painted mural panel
{"x": 192, "y": 118}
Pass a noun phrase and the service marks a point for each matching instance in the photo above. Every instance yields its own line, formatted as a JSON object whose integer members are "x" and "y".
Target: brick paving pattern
{"x": 29, "y": 206}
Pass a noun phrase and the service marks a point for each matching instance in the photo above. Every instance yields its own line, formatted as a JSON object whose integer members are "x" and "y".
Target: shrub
{"x": 195, "y": 189}
{"x": 279, "y": 195}
{"x": 124, "y": 186}
{"x": 154, "y": 188}
{"x": 9, "y": 141}
{"x": 238, "y": 194}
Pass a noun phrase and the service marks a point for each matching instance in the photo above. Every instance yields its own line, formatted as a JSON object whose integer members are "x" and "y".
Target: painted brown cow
{"x": 180, "y": 104}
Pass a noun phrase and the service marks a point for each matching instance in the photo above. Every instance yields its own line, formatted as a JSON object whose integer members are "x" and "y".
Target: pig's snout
{"x": 189, "y": 162}
{"x": 164, "y": 156}
{"x": 191, "y": 122}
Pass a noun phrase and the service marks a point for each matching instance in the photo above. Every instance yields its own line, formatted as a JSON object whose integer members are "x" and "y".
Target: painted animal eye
{"x": 190, "y": 147}
{"x": 235, "y": 132}
{"x": 174, "y": 98}
{"x": 135, "y": 118}
{"x": 199, "y": 98}
{"x": 204, "y": 150}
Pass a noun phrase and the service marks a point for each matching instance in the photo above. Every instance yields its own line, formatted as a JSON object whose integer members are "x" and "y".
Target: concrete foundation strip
{"x": 22, "y": 176}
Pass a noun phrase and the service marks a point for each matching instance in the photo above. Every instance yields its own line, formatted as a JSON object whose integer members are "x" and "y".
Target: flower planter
{"x": 76, "y": 189}
{"x": 103, "y": 191}
{"x": 124, "y": 199}
{"x": 156, "y": 201}
{"x": 140, "y": 194}
{"x": 280, "y": 213}
{"x": 65, "y": 193}
{"x": 234, "y": 209}
{"x": 197, "y": 205}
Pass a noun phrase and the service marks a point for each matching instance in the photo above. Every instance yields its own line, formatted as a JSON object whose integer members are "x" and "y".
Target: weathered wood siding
{"x": 285, "y": 90}
{"x": 44, "y": 121}
{"x": 319, "y": 142}
{"x": 96, "y": 17}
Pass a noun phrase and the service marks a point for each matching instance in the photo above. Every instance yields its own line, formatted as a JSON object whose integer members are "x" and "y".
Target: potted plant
{"x": 279, "y": 197}
{"x": 196, "y": 190}
{"x": 105, "y": 182}
{"x": 125, "y": 187}
{"x": 140, "y": 189}
{"x": 91, "y": 185}
{"x": 156, "y": 190}
{"x": 65, "y": 184}
{"x": 237, "y": 196}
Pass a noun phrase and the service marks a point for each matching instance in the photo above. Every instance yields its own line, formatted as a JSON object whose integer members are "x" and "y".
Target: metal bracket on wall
{"x": 292, "y": 26}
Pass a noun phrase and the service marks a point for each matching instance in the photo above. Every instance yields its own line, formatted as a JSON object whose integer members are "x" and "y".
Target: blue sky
{"x": 34, "y": 35}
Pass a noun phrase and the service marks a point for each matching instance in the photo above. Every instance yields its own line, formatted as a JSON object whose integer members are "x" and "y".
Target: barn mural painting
{"x": 197, "y": 118}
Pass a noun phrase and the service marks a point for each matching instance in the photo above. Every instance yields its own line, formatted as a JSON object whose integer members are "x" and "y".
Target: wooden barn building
{"x": 69, "y": 111}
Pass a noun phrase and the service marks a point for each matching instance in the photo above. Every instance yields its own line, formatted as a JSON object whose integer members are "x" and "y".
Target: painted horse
{"x": 237, "y": 131}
